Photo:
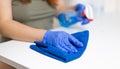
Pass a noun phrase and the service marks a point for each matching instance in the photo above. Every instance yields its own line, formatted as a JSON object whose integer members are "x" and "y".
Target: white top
{"x": 102, "y": 51}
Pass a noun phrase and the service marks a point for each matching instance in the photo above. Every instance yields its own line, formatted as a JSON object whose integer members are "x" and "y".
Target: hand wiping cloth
{"x": 57, "y": 53}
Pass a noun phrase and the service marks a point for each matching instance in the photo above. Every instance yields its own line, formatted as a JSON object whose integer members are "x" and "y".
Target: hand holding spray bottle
{"x": 70, "y": 17}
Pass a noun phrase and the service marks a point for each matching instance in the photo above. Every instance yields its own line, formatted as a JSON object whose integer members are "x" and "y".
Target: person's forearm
{"x": 17, "y": 31}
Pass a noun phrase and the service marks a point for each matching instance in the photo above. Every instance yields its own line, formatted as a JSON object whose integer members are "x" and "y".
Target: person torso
{"x": 37, "y": 14}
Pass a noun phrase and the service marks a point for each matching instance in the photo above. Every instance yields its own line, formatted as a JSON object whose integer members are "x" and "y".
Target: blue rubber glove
{"x": 80, "y": 8}
{"x": 62, "y": 40}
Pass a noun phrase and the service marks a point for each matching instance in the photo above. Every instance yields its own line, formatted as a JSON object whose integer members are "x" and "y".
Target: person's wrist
{"x": 41, "y": 33}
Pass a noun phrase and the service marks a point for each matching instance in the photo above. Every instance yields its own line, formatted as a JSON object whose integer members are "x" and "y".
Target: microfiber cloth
{"x": 60, "y": 55}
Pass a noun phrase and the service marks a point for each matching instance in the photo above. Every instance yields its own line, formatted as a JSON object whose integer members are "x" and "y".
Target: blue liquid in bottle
{"x": 67, "y": 18}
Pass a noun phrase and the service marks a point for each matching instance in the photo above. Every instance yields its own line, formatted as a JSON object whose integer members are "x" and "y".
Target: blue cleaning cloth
{"x": 58, "y": 54}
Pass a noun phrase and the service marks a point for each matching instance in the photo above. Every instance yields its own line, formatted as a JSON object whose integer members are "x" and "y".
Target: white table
{"x": 102, "y": 51}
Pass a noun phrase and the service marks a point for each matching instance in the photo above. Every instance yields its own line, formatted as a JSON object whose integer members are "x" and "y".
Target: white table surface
{"x": 103, "y": 51}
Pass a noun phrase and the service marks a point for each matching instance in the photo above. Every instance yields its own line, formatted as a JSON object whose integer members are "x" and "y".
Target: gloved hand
{"x": 70, "y": 17}
{"x": 62, "y": 40}
{"x": 80, "y": 9}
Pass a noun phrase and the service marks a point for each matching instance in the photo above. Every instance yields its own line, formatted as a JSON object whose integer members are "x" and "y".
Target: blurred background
{"x": 100, "y": 7}
{"x": 107, "y": 9}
